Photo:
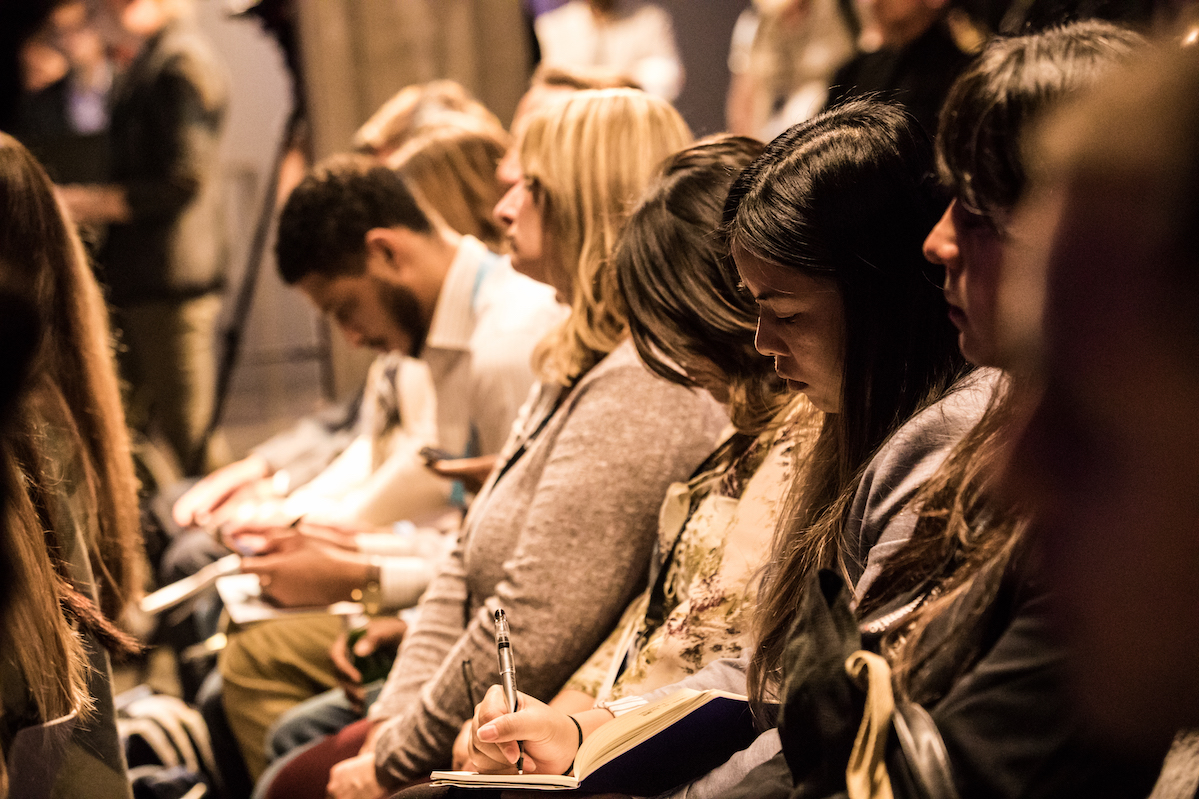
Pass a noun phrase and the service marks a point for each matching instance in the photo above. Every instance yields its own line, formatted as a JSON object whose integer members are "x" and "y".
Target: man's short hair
{"x": 324, "y": 223}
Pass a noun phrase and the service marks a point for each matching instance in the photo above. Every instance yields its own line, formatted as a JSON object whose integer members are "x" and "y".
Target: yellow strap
{"x": 866, "y": 774}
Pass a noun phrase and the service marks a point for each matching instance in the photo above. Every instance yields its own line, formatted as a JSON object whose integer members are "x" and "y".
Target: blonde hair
{"x": 413, "y": 108}
{"x": 69, "y": 424}
{"x": 451, "y": 170}
{"x": 587, "y": 161}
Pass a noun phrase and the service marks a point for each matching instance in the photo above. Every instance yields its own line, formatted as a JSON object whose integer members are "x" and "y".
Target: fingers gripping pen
{"x": 507, "y": 672}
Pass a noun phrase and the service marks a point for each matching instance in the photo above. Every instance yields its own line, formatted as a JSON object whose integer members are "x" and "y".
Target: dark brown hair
{"x": 967, "y": 534}
{"x": 847, "y": 196}
{"x": 979, "y": 147}
{"x": 682, "y": 301}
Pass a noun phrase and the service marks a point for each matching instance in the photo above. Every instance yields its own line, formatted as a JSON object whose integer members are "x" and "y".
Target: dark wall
{"x": 703, "y": 29}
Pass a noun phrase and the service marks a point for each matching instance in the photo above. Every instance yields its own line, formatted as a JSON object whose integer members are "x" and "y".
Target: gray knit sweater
{"x": 561, "y": 542}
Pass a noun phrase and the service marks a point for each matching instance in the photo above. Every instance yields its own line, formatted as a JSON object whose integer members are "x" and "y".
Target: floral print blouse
{"x": 715, "y": 533}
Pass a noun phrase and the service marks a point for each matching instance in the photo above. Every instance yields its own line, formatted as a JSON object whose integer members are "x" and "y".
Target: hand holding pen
{"x": 503, "y": 648}
{"x": 535, "y": 738}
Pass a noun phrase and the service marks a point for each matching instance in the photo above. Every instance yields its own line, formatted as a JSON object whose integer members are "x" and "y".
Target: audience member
{"x": 1103, "y": 304}
{"x": 960, "y": 613}
{"x": 65, "y": 124}
{"x": 438, "y": 102}
{"x": 353, "y": 238}
{"x": 164, "y": 255}
{"x": 70, "y": 515}
{"x": 782, "y": 59}
{"x": 630, "y": 37}
{"x": 692, "y": 325}
{"x": 451, "y": 169}
{"x": 541, "y": 542}
{"x": 917, "y": 57}
{"x": 852, "y": 316}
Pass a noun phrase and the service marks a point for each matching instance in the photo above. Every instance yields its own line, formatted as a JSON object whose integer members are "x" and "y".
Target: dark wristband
{"x": 578, "y": 727}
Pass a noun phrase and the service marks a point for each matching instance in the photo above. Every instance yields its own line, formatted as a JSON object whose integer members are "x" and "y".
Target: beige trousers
{"x": 270, "y": 667}
{"x": 168, "y": 357}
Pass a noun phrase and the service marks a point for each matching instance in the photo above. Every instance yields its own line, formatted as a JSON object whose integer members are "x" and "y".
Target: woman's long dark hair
{"x": 967, "y": 534}
{"x": 682, "y": 301}
{"x": 70, "y": 421}
{"x": 848, "y": 196}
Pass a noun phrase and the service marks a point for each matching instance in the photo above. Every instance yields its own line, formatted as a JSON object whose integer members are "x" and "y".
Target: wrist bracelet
{"x": 578, "y": 727}
{"x": 371, "y": 594}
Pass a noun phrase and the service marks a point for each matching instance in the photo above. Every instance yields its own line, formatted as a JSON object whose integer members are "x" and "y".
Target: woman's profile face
{"x": 801, "y": 324}
{"x": 518, "y": 211}
{"x": 971, "y": 249}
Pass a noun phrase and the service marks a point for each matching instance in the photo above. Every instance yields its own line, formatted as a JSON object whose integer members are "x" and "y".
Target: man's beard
{"x": 404, "y": 309}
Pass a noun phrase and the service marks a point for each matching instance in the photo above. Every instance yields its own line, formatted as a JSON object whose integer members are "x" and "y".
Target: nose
{"x": 507, "y": 171}
{"x": 355, "y": 338}
{"x": 767, "y": 340}
{"x": 941, "y": 245}
{"x": 505, "y": 209}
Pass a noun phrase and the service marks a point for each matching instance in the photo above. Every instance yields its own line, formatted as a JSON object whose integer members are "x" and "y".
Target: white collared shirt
{"x": 487, "y": 320}
{"x": 462, "y": 395}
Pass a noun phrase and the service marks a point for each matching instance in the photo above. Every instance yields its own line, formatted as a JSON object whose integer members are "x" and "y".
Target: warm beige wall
{"x": 358, "y": 53}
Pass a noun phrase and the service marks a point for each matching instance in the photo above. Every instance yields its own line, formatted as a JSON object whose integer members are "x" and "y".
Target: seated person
{"x": 561, "y": 536}
{"x": 855, "y": 320}
{"x": 1108, "y": 456}
{"x": 353, "y": 238}
{"x": 693, "y": 325}
{"x": 71, "y": 543}
{"x": 962, "y": 612}
{"x": 449, "y": 162}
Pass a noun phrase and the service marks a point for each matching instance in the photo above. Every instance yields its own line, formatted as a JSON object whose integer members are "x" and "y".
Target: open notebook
{"x": 648, "y": 751}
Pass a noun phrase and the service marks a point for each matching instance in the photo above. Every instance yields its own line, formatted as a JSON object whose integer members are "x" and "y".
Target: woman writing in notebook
{"x": 825, "y": 229}
{"x": 561, "y": 534}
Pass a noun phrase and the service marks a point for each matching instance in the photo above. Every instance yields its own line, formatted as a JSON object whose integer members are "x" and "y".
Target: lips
{"x": 792, "y": 383}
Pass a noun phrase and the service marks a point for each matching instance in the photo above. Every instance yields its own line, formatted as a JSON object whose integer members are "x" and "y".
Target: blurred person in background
{"x": 910, "y": 55}
{"x": 629, "y": 37}
{"x": 164, "y": 256}
{"x": 1102, "y": 304}
{"x": 65, "y": 124}
{"x": 438, "y": 102}
{"x": 782, "y": 60}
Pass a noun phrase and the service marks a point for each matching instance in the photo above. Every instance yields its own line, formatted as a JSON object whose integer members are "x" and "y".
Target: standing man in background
{"x": 165, "y": 253}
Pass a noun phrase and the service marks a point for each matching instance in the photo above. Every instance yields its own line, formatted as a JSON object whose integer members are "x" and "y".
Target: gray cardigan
{"x": 560, "y": 541}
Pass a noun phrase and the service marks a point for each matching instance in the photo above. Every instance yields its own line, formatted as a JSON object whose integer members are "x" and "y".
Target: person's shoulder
{"x": 623, "y": 375}
{"x": 941, "y": 424}
{"x": 513, "y": 306}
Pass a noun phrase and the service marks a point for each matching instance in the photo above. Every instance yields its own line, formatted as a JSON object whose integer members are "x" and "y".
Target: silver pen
{"x": 503, "y": 648}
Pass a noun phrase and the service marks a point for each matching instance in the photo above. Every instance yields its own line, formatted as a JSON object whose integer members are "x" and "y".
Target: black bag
{"x": 823, "y": 705}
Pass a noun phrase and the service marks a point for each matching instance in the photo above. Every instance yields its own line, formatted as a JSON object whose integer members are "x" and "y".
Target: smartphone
{"x": 433, "y": 454}
{"x": 373, "y": 667}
